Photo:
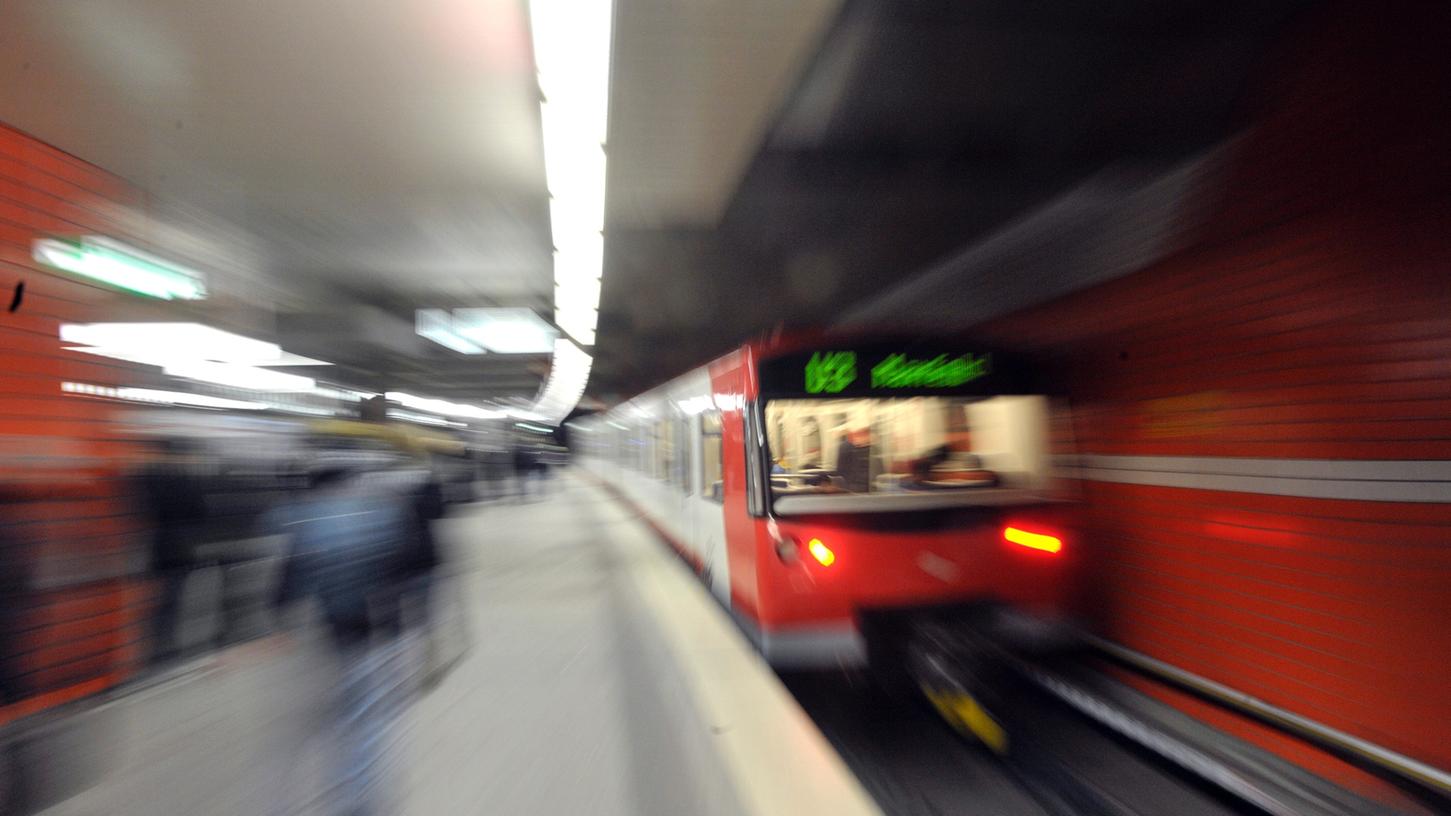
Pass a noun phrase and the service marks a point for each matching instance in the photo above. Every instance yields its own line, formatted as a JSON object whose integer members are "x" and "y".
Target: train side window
{"x": 711, "y": 485}
{"x": 641, "y": 455}
{"x": 755, "y": 461}
{"x": 660, "y": 468}
{"x": 681, "y": 475}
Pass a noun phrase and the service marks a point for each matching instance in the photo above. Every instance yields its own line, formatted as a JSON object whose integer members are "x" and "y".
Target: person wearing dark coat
{"x": 174, "y": 497}
{"x": 524, "y": 468}
{"x": 353, "y": 548}
{"x": 854, "y": 460}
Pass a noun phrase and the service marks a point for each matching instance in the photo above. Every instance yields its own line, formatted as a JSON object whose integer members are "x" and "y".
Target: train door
{"x": 667, "y": 496}
{"x": 708, "y": 517}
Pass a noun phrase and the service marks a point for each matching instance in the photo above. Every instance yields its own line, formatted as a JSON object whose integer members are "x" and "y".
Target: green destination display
{"x": 900, "y": 371}
{"x": 828, "y": 372}
{"x": 833, "y": 372}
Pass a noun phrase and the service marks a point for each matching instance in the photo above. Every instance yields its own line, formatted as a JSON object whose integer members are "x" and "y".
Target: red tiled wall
{"x": 1311, "y": 318}
{"x": 67, "y": 519}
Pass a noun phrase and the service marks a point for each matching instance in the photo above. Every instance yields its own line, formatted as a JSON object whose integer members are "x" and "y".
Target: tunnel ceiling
{"x": 375, "y": 154}
{"x": 915, "y": 130}
{"x": 769, "y": 161}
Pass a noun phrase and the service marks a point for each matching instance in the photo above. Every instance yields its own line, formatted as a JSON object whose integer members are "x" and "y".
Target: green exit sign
{"x": 111, "y": 262}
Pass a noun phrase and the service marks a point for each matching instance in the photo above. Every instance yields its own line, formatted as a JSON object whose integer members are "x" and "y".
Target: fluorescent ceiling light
{"x": 506, "y": 331}
{"x": 156, "y": 395}
{"x": 343, "y": 394}
{"x": 183, "y": 398}
{"x": 572, "y": 53}
{"x": 167, "y": 342}
{"x": 439, "y": 406}
{"x": 239, "y": 376}
{"x": 567, "y": 378}
{"x": 423, "y": 419}
{"x": 290, "y": 359}
{"x": 581, "y": 214}
{"x": 124, "y": 267}
{"x": 580, "y": 326}
{"x": 572, "y": 40}
{"x": 577, "y": 299}
{"x": 438, "y": 325}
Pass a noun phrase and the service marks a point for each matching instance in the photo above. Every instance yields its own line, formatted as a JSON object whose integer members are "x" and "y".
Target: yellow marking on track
{"x": 965, "y": 713}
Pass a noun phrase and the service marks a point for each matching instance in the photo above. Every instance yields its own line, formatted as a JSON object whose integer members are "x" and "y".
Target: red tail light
{"x": 1032, "y": 540}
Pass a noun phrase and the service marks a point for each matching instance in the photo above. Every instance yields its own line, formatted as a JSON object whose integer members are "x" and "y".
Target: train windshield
{"x": 899, "y": 454}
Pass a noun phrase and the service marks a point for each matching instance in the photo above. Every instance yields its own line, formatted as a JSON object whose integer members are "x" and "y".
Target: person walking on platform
{"x": 523, "y": 469}
{"x": 353, "y": 547}
{"x": 173, "y": 494}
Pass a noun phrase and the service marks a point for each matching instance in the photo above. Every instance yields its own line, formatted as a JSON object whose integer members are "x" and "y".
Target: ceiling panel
{"x": 694, "y": 87}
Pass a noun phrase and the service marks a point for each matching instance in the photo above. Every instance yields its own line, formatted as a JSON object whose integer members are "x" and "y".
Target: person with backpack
{"x": 352, "y": 547}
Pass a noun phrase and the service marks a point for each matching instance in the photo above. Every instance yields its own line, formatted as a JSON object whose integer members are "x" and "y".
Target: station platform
{"x": 600, "y": 678}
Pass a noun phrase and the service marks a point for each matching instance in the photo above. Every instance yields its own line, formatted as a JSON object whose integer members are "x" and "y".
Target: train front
{"x": 901, "y": 480}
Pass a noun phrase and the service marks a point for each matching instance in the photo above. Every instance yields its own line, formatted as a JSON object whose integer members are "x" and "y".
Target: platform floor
{"x": 600, "y": 679}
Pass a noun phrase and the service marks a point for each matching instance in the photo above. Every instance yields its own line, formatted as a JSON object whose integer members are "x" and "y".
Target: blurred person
{"x": 523, "y": 469}
{"x": 14, "y": 590}
{"x": 854, "y": 459}
{"x": 354, "y": 548}
{"x": 541, "y": 471}
{"x": 174, "y": 496}
{"x": 494, "y": 466}
{"x": 236, "y": 500}
{"x": 432, "y": 607}
{"x": 420, "y": 555}
{"x": 952, "y": 462}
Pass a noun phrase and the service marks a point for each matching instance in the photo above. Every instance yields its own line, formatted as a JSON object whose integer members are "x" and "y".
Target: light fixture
{"x": 239, "y": 376}
{"x": 567, "y": 378}
{"x": 342, "y": 394}
{"x": 289, "y": 359}
{"x": 169, "y": 342}
{"x": 505, "y": 331}
{"x": 423, "y": 419}
{"x": 438, "y": 325}
{"x": 572, "y": 42}
{"x": 162, "y": 397}
{"x": 111, "y": 262}
{"x": 438, "y": 406}
{"x": 159, "y": 396}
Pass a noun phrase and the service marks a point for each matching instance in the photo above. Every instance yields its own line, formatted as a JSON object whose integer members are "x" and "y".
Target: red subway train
{"x": 822, "y": 485}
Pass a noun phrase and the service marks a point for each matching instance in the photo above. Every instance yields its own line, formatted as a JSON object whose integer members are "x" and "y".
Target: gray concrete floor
{"x": 565, "y": 702}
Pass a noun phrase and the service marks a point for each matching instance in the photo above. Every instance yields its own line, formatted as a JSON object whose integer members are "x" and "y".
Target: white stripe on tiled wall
{"x": 1362, "y": 480}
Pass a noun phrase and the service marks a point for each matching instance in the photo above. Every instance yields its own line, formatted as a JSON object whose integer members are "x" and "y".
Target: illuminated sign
{"x": 900, "y": 371}
{"x": 114, "y": 263}
{"x": 828, "y": 372}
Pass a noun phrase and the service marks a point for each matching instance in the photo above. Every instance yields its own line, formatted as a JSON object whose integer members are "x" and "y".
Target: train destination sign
{"x": 899, "y": 371}
{"x": 883, "y": 370}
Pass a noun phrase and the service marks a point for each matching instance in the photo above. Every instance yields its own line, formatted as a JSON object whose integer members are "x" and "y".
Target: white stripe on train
{"x": 1422, "y": 481}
